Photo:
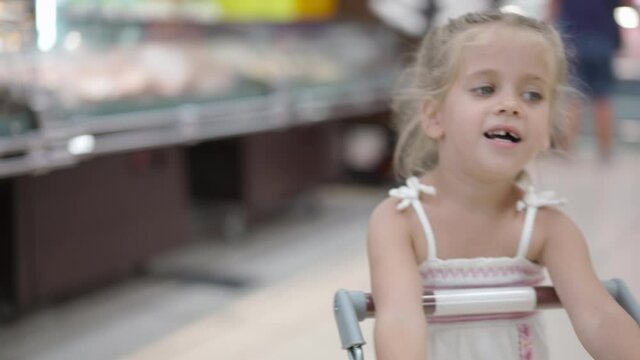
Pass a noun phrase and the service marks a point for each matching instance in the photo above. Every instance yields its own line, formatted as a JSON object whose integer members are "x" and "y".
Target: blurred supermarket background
{"x": 191, "y": 179}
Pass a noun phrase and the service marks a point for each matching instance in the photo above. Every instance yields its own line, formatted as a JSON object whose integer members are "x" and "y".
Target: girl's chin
{"x": 500, "y": 170}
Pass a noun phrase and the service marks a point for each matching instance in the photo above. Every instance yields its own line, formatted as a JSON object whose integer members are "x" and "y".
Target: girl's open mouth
{"x": 504, "y": 135}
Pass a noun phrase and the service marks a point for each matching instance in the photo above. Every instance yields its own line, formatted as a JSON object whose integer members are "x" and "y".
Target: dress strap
{"x": 531, "y": 202}
{"x": 410, "y": 196}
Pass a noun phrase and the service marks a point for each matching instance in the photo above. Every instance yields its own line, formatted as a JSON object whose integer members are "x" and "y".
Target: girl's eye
{"x": 532, "y": 96}
{"x": 483, "y": 90}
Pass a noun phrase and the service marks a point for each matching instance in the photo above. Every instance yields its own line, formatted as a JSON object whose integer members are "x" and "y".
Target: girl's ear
{"x": 431, "y": 121}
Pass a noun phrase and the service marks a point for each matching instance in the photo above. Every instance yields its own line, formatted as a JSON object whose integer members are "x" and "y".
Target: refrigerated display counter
{"x": 107, "y": 131}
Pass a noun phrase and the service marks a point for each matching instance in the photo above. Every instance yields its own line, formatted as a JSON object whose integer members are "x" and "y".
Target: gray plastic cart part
{"x": 350, "y": 307}
{"x": 347, "y": 307}
{"x": 619, "y": 291}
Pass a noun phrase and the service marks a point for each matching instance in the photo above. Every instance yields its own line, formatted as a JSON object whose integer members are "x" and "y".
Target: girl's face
{"x": 496, "y": 116}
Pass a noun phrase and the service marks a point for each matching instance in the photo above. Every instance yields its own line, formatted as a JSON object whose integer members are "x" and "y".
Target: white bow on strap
{"x": 411, "y": 192}
{"x": 533, "y": 198}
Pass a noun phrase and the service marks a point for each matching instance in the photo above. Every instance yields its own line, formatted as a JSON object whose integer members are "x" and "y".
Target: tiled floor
{"x": 290, "y": 269}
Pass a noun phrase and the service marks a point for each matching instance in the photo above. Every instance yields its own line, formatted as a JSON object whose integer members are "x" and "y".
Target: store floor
{"x": 267, "y": 295}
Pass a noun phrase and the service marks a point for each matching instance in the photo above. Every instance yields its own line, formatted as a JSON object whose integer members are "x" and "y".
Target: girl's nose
{"x": 508, "y": 107}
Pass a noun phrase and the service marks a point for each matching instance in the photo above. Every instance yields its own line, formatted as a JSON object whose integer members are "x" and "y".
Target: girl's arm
{"x": 400, "y": 326}
{"x": 603, "y": 327}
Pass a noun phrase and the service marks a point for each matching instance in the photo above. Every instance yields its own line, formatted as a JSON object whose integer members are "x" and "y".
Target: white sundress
{"x": 517, "y": 336}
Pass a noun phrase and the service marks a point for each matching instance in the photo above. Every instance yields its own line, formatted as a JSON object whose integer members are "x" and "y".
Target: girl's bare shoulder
{"x": 554, "y": 222}
{"x": 387, "y": 219}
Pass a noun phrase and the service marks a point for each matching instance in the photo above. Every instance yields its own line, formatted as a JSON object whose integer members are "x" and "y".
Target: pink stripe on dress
{"x": 525, "y": 342}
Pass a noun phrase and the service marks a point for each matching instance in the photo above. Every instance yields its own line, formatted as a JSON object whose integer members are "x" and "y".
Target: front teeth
{"x": 504, "y": 134}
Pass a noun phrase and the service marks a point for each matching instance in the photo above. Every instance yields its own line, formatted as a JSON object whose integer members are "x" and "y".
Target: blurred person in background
{"x": 591, "y": 30}
{"x": 415, "y": 17}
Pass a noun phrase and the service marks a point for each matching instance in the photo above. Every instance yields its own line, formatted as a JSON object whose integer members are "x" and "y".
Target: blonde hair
{"x": 433, "y": 71}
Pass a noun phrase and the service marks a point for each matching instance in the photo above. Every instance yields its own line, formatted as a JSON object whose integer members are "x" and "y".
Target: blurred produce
{"x": 136, "y": 74}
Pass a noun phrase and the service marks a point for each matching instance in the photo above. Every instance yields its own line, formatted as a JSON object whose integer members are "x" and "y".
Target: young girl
{"x": 481, "y": 101}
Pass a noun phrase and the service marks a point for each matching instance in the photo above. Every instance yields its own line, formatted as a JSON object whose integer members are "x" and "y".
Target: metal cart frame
{"x": 351, "y": 307}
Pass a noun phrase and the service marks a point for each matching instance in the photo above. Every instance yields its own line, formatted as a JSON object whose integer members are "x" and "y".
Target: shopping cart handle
{"x": 351, "y": 307}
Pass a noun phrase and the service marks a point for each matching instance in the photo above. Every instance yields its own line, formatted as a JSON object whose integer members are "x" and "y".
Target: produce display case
{"x": 118, "y": 116}
{"x": 112, "y": 82}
